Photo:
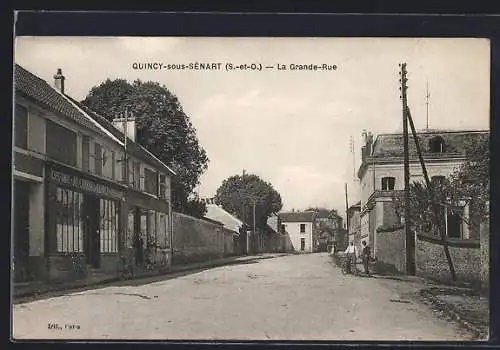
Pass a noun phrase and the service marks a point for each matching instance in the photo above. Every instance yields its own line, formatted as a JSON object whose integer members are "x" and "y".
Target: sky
{"x": 290, "y": 127}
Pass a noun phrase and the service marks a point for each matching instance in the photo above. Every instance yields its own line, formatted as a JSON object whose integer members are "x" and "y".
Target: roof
{"x": 132, "y": 146}
{"x": 391, "y": 145}
{"x": 218, "y": 213}
{"x": 304, "y": 216}
{"x": 38, "y": 90}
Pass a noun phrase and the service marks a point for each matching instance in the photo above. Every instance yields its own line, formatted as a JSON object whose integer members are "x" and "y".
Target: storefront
{"x": 83, "y": 219}
{"x": 148, "y": 238}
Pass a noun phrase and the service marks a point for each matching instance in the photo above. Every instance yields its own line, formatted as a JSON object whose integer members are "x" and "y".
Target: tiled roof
{"x": 391, "y": 145}
{"x": 41, "y": 92}
{"x": 304, "y": 216}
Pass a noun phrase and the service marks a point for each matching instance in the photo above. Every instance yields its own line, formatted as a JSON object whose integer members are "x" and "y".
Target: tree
{"x": 238, "y": 193}
{"x": 162, "y": 128}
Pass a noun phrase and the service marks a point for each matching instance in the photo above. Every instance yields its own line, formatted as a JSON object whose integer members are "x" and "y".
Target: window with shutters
{"x": 98, "y": 158}
{"x": 85, "y": 153}
{"x": 61, "y": 143}
{"x": 151, "y": 182}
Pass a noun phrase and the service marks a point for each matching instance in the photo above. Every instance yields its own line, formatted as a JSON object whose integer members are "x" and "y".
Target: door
{"x": 91, "y": 211}
{"x": 21, "y": 230}
{"x": 302, "y": 244}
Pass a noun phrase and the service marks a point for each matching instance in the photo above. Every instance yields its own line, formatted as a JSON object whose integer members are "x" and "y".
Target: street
{"x": 295, "y": 297}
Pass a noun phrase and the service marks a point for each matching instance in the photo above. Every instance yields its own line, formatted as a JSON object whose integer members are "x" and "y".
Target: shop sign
{"x": 83, "y": 184}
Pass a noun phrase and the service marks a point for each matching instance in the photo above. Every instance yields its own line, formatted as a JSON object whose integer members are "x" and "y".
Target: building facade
{"x": 76, "y": 208}
{"x": 381, "y": 176}
{"x": 354, "y": 228}
{"x": 300, "y": 227}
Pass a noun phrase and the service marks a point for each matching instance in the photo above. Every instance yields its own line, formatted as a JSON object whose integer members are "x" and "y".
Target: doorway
{"x": 454, "y": 225}
{"x": 21, "y": 230}
{"x": 91, "y": 211}
{"x": 302, "y": 244}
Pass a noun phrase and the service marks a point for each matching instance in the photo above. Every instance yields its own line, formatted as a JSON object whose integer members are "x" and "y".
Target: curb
{"x": 172, "y": 271}
{"x": 450, "y": 311}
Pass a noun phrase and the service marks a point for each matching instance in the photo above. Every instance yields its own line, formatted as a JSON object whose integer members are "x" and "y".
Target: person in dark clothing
{"x": 366, "y": 256}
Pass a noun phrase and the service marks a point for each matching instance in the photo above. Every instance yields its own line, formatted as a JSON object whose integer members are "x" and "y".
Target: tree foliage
{"x": 162, "y": 127}
{"x": 238, "y": 193}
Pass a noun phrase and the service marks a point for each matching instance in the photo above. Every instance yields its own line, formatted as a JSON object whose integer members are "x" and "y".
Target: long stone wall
{"x": 431, "y": 260}
{"x": 196, "y": 240}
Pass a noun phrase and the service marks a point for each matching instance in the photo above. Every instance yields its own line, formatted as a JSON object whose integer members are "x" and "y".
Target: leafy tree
{"x": 162, "y": 127}
{"x": 238, "y": 193}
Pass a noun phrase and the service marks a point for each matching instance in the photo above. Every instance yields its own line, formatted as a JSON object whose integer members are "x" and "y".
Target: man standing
{"x": 350, "y": 253}
{"x": 366, "y": 256}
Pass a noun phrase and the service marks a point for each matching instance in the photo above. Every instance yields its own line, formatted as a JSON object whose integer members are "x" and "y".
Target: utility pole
{"x": 409, "y": 236}
{"x": 347, "y": 212}
{"x": 254, "y": 229}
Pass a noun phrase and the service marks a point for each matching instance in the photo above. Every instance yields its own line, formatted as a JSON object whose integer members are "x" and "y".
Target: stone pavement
{"x": 294, "y": 297}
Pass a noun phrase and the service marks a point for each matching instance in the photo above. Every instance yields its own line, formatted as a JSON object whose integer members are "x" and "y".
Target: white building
{"x": 300, "y": 227}
{"x": 381, "y": 175}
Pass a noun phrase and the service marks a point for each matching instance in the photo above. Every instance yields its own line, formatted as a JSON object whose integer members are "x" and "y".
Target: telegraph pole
{"x": 409, "y": 236}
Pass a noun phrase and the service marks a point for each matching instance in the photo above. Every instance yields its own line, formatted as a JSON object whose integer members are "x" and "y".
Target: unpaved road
{"x": 296, "y": 297}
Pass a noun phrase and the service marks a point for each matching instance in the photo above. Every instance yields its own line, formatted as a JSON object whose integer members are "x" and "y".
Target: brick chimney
{"x": 366, "y": 148}
{"x": 59, "y": 80}
{"x": 119, "y": 123}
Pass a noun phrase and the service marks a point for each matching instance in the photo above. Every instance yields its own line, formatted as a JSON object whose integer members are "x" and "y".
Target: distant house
{"x": 232, "y": 226}
{"x": 300, "y": 228}
{"x": 328, "y": 229}
{"x": 381, "y": 177}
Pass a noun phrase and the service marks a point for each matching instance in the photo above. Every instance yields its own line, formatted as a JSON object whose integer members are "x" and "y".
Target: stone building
{"x": 300, "y": 227}
{"x": 77, "y": 206}
{"x": 381, "y": 176}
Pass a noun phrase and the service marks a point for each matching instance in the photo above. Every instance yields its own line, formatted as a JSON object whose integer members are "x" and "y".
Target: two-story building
{"x": 76, "y": 208}
{"x": 300, "y": 227}
{"x": 381, "y": 176}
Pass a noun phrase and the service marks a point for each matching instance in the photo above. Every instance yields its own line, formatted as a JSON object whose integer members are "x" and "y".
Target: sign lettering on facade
{"x": 83, "y": 184}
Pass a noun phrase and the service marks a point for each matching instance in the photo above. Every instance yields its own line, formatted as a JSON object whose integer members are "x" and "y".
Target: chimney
{"x": 131, "y": 130}
{"x": 59, "y": 80}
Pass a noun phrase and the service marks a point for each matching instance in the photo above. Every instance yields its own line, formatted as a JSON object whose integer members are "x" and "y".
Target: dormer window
{"x": 388, "y": 183}
{"x": 436, "y": 145}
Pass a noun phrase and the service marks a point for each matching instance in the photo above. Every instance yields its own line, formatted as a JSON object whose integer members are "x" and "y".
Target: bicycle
{"x": 125, "y": 270}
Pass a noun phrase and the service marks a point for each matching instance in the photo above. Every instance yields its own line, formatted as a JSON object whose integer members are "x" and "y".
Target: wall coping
{"x": 451, "y": 242}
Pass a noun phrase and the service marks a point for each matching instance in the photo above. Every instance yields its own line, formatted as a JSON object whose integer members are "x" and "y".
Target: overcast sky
{"x": 292, "y": 128}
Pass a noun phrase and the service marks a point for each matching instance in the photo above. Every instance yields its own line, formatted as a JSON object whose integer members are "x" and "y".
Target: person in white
{"x": 351, "y": 256}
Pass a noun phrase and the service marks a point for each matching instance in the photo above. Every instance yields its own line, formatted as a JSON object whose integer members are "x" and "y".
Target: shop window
{"x": 151, "y": 182}
{"x": 129, "y": 239}
{"x": 21, "y": 127}
{"x": 109, "y": 223}
{"x": 69, "y": 221}
{"x": 388, "y": 183}
{"x": 436, "y": 145}
{"x": 61, "y": 143}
